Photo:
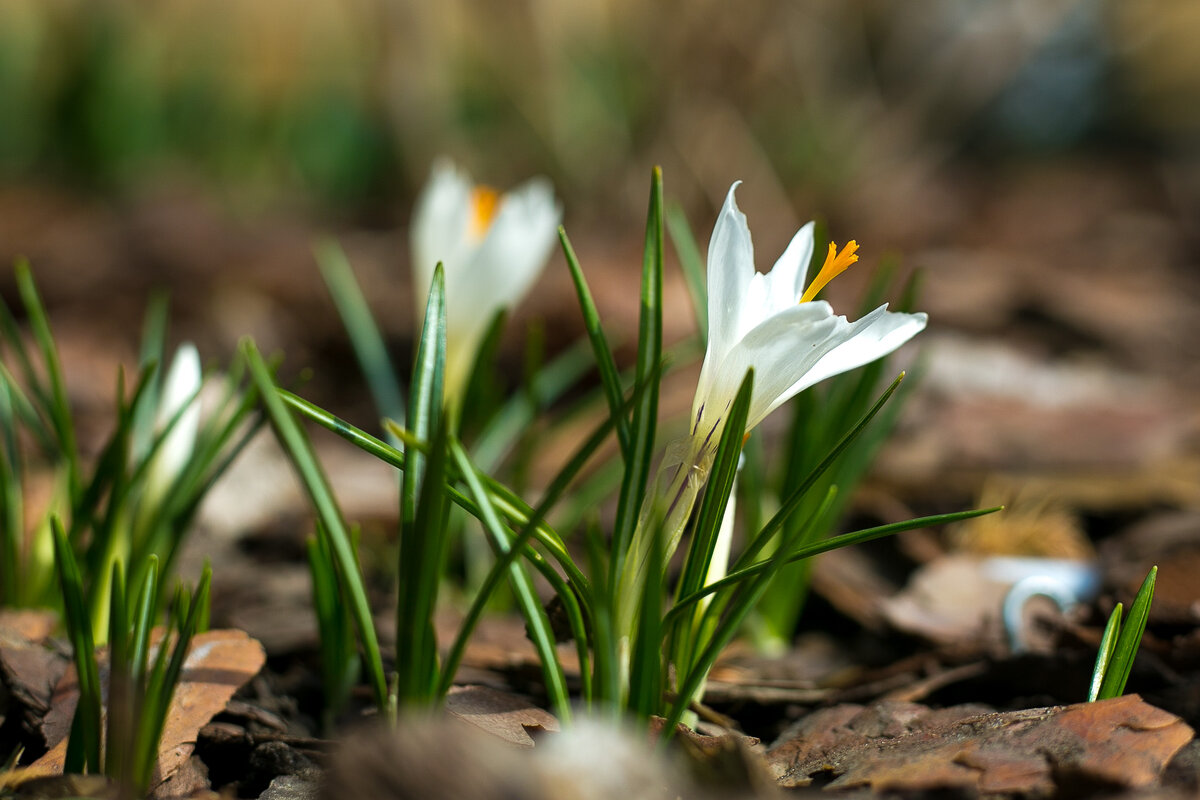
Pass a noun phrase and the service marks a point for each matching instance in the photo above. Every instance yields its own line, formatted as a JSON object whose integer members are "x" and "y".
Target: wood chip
{"x": 1123, "y": 742}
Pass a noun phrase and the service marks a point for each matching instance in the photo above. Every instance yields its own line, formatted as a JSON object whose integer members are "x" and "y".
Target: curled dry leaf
{"x": 505, "y": 716}
{"x": 218, "y": 664}
{"x": 1123, "y": 742}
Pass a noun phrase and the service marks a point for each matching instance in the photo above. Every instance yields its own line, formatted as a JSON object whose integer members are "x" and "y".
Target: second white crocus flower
{"x": 492, "y": 246}
{"x": 768, "y": 322}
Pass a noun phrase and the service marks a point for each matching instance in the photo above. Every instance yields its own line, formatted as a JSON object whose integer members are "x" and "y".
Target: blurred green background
{"x": 341, "y": 104}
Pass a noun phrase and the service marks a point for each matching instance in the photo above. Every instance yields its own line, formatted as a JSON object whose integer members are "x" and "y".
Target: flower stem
{"x": 665, "y": 512}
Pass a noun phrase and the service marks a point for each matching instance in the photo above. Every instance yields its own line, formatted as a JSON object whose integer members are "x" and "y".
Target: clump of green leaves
{"x": 143, "y": 674}
{"x": 137, "y": 500}
{"x": 1120, "y": 643}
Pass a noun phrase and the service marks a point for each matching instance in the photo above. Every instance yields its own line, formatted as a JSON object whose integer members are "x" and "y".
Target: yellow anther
{"x": 835, "y": 264}
{"x": 485, "y": 201}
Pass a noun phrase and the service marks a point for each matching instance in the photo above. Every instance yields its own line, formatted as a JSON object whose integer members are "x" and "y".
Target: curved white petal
{"x": 440, "y": 223}
{"x": 874, "y": 336}
{"x": 786, "y": 278}
{"x": 504, "y": 266}
{"x": 730, "y": 272}
{"x": 517, "y": 245}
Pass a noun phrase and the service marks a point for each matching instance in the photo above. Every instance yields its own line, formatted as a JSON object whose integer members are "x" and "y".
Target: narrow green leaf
{"x": 507, "y": 502}
{"x": 150, "y": 356}
{"x": 425, "y": 402}
{"x": 83, "y": 749}
{"x": 692, "y": 264}
{"x": 481, "y": 396}
{"x": 423, "y": 549}
{"x": 163, "y": 691}
{"x": 516, "y": 415}
{"x": 748, "y": 594}
{"x": 610, "y": 379}
{"x": 60, "y": 407}
{"x": 834, "y": 543}
{"x": 1108, "y": 644}
{"x": 554, "y": 492}
{"x": 120, "y": 693}
{"x": 717, "y": 491}
{"x": 797, "y": 498}
{"x": 12, "y": 512}
{"x": 645, "y": 411}
{"x": 143, "y": 622}
{"x": 646, "y": 678}
{"x": 365, "y": 336}
{"x": 537, "y": 623}
{"x": 684, "y": 633}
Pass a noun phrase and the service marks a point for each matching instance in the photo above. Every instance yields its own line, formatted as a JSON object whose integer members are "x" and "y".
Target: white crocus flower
{"x": 492, "y": 246}
{"x": 178, "y": 399}
{"x": 769, "y": 323}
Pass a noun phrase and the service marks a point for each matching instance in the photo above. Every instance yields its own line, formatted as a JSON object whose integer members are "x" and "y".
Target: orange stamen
{"x": 485, "y": 201}
{"x": 835, "y": 264}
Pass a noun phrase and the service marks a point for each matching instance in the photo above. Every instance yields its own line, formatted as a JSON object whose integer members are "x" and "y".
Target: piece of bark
{"x": 1123, "y": 742}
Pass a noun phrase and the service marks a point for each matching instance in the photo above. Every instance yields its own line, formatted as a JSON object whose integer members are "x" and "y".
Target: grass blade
{"x": 797, "y": 497}
{"x": 425, "y": 402}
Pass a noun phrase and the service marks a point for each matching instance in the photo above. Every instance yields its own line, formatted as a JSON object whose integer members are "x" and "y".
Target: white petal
{"x": 782, "y": 349}
{"x": 786, "y": 278}
{"x": 179, "y": 391}
{"x": 440, "y": 222}
{"x": 730, "y": 270}
{"x": 506, "y": 264}
{"x": 874, "y": 336}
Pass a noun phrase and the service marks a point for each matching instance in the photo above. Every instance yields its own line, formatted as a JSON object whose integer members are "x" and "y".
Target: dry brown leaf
{"x": 28, "y": 625}
{"x": 28, "y": 667}
{"x": 219, "y": 662}
{"x": 503, "y": 715}
{"x": 1122, "y": 742}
